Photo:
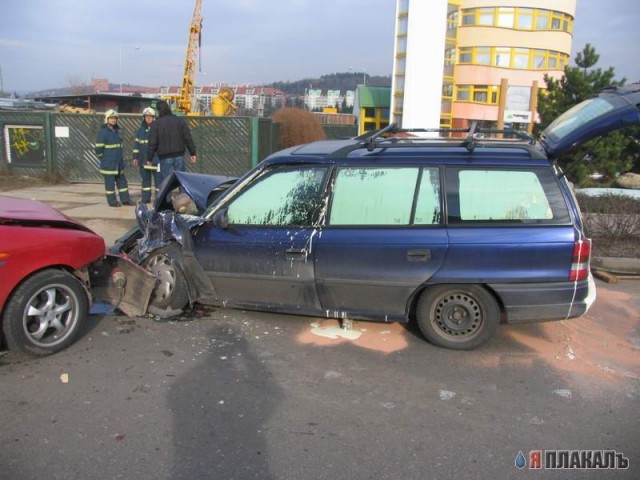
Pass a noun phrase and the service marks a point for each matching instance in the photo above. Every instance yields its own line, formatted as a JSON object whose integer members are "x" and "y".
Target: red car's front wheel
{"x": 45, "y": 313}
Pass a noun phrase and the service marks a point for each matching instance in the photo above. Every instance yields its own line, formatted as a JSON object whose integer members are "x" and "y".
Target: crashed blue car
{"x": 458, "y": 234}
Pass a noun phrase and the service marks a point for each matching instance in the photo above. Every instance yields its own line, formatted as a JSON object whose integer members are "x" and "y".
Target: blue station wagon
{"x": 458, "y": 233}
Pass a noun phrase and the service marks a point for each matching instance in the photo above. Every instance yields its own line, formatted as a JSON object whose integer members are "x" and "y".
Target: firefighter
{"x": 148, "y": 168}
{"x": 109, "y": 151}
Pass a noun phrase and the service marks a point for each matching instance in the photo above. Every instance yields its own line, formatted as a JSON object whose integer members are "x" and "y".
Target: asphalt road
{"x": 241, "y": 395}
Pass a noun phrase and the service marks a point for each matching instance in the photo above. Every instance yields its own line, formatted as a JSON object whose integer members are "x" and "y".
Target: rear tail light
{"x": 580, "y": 261}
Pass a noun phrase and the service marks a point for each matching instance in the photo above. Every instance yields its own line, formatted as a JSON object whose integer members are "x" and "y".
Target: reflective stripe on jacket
{"x": 109, "y": 150}
{"x": 141, "y": 147}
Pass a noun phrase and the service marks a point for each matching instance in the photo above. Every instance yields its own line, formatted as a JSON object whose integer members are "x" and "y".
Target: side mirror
{"x": 221, "y": 219}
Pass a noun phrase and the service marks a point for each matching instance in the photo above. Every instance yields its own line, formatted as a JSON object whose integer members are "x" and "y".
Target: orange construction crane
{"x": 185, "y": 99}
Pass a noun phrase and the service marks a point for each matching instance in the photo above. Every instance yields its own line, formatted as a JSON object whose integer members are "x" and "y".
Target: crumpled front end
{"x": 123, "y": 281}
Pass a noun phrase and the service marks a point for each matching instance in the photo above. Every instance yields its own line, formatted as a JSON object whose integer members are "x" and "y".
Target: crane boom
{"x": 185, "y": 98}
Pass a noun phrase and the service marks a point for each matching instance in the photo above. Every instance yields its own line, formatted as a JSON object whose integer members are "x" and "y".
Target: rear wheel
{"x": 460, "y": 317}
{"x": 45, "y": 313}
{"x": 171, "y": 290}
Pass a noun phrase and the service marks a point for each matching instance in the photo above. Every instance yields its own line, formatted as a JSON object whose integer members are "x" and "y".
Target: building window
{"x": 374, "y": 118}
{"x": 506, "y": 16}
{"x": 469, "y": 16}
{"x": 487, "y": 94}
{"x": 503, "y": 57}
{"x": 483, "y": 55}
{"x": 452, "y": 20}
{"x": 542, "y": 21}
{"x": 525, "y": 19}
{"x": 521, "y": 58}
{"x": 480, "y": 96}
{"x": 466, "y": 55}
{"x": 485, "y": 16}
{"x": 513, "y": 57}
{"x": 463, "y": 93}
{"x": 519, "y": 18}
{"x": 539, "y": 59}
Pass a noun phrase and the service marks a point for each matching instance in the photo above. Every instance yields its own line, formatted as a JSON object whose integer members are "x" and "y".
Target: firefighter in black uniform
{"x": 148, "y": 168}
{"x": 109, "y": 151}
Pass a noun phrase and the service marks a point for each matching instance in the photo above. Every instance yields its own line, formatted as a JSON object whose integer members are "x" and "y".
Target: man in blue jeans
{"x": 169, "y": 137}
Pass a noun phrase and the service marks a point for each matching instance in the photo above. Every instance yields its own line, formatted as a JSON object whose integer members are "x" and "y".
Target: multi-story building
{"x": 315, "y": 100}
{"x": 493, "y": 55}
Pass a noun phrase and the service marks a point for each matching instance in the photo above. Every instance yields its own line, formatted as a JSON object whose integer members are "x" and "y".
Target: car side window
{"x": 281, "y": 197}
{"x": 498, "y": 195}
{"x": 384, "y": 196}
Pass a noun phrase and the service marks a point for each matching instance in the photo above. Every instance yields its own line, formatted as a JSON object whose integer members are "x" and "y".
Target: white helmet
{"x": 110, "y": 113}
{"x": 148, "y": 111}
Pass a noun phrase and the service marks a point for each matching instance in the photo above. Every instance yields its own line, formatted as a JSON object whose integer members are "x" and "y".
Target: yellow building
{"x": 496, "y": 53}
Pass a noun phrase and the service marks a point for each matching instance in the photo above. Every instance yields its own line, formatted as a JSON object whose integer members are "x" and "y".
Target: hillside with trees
{"x": 335, "y": 81}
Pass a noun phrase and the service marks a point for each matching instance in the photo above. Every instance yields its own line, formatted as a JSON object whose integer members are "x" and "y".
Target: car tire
{"x": 461, "y": 317}
{"x": 171, "y": 291}
{"x": 45, "y": 313}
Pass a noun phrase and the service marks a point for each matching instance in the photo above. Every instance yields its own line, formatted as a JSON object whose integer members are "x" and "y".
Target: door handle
{"x": 419, "y": 255}
{"x": 296, "y": 253}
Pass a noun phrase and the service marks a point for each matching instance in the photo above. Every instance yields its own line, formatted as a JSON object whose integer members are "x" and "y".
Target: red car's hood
{"x": 32, "y": 212}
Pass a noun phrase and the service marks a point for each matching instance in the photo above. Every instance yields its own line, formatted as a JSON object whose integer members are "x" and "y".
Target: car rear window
{"x": 504, "y": 196}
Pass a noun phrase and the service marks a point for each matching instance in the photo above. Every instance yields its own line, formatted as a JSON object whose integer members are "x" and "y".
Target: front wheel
{"x": 461, "y": 317}
{"x": 171, "y": 289}
{"x": 45, "y": 313}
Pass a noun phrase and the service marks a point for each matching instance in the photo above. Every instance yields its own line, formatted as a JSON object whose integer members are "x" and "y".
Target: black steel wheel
{"x": 45, "y": 313}
{"x": 460, "y": 317}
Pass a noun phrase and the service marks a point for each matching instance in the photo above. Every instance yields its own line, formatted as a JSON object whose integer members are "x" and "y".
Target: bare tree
{"x": 78, "y": 85}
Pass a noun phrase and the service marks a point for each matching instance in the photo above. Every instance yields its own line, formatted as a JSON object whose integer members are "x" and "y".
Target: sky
{"x": 52, "y": 43}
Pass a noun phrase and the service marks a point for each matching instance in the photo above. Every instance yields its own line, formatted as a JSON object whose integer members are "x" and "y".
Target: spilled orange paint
{"x": 596, "y": 348}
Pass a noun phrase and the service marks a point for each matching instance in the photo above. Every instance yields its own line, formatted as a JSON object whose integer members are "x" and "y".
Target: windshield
{"x": 577, "y": 117}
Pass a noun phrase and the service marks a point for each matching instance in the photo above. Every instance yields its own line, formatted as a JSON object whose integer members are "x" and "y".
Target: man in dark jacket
{"x": 109, "y": 151}
{"x": 169, "y": 137}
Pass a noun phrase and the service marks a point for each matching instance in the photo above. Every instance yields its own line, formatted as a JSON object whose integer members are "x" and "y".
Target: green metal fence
{"x": 340, "y": 131}
{"x": 34, "y": 143}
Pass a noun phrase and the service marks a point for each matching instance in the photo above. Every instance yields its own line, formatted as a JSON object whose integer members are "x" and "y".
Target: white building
{"x": 418, "y": 58}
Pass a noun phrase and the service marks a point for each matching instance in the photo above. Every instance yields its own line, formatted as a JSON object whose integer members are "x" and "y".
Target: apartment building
{"x": 314, "y": 99}
{"x": 493, "y": 55}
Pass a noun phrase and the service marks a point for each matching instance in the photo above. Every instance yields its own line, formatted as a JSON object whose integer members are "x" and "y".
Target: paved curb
{"x": 617, "y": 266}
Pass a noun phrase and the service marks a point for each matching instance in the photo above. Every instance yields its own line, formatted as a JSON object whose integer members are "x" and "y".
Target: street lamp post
{"x": 121, "y": 47}
{"x": 364, "y": 75}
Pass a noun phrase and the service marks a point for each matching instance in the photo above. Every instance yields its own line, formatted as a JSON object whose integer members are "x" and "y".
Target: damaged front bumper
{"x": 118, "y": 281}
{"x": 121, "y": 280}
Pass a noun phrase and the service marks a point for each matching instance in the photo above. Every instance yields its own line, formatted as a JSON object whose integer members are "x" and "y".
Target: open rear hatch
{"x": 612, "y": 109}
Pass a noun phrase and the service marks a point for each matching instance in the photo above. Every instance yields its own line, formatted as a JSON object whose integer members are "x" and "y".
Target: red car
{"x": 44, "y": 275}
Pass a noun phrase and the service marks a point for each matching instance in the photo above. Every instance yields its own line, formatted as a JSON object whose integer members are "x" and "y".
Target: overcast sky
{"x": 44, "y": 43}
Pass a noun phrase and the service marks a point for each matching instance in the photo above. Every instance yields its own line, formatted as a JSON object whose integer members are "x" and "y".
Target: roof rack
{"x": 475, "y": 136}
